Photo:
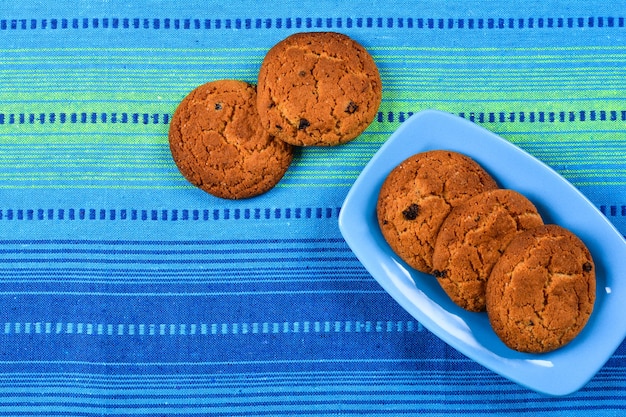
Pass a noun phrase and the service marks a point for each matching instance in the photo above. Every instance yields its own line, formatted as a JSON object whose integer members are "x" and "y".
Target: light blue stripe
{"x": 195, "y": 329}
{"x": 188, "y": 294}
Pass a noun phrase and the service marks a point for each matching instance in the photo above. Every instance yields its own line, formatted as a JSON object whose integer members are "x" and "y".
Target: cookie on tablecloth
{"x": 318, "y": 88}
{"x": 541, "y": 292}
{"x": 219, "y": 145}
{"x": 417, "y": 196}
{"x": 473, "y": 237}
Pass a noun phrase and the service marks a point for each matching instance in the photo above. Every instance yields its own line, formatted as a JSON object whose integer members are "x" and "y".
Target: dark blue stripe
{"x": 85, "y": 118}
{"x": 170, "y": 214}
{"x": 505, "y": 116}
{"x": 287, "y": 400}
{"x": 261, "y": 23}
{"x": 173, "y": 215}
{"x": 176, "y": 261}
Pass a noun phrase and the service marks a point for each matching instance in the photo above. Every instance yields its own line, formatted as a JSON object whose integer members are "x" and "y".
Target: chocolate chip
{"x": 411, "y": 212}
{"x": 587, "y": 267}
{"x": 351, "y": 108}
{"x": 218, "y": 106}
{"x": 304, "y": 123}
{"x": 302, "y": 73}
{"x": 440, "y": 274}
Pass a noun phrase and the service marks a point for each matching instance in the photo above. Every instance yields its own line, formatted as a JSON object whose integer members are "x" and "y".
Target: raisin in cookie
{"x": 417, "y": 196}
{"x": 472, "y": 239}
{"x": 541, "y": 292}
{"x": 219, "y": 145}
{"x": 318, "y": 88}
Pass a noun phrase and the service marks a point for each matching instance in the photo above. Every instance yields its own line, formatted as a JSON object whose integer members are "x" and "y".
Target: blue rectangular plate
{"x": 560, "y": 372}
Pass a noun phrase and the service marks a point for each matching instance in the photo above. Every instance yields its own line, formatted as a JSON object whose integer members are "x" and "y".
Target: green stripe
{"x": 413, "y": 79}
{"x": 82, "y": 50}
{"x": 85, "y": 136}
{"x": 392, "y": 78}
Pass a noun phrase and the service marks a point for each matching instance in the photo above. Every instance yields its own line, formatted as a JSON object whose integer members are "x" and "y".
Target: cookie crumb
{"x": 440, "y": 274}
{"x": 303, "y": 124}
{"x": 411, "y": 212}
{"x": 351, "y": 108}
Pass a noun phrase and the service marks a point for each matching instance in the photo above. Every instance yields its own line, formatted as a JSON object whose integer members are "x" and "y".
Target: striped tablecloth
{"x": 125, "y": 290}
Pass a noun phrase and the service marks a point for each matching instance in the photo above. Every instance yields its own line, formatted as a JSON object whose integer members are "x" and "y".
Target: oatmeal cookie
{"x": 417, "y": 196}
{"x": 473, "y": 237}
{"x": 318, "y": 88}
{"x": 218, "y": 144}
{"x": 542, "y": 290}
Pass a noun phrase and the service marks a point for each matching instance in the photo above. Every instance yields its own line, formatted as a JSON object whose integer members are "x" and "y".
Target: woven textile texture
{"x": 125, "y": 290}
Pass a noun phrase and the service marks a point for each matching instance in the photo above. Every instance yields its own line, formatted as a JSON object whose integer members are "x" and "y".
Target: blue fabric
{"x": 124, "y": 290}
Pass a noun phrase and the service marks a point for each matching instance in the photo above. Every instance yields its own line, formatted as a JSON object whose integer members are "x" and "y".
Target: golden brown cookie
{"x": 473, "y": 237}
{"x": 219, "y": 145}
{"x": 318, "y": 88}
{"x": 541, "y": 292}
{"x": 417, "y": 196}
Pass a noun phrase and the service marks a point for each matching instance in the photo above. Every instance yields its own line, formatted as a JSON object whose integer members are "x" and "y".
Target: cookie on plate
{"x": 318, "y": 88}
{"x": 219, "y": 145}
{"x": 542, "y": 290}
{"x": 417, "y": 196}
{"x": 472, "y": 239}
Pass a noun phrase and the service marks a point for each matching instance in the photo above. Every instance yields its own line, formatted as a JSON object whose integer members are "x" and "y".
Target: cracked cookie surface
{"x": 541, "y": 292}
{"x": 318, "y": 89}
{"x": 473, "y": 237}
{"x": 218, "y": 144}
{"x": 418, "y": 195}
